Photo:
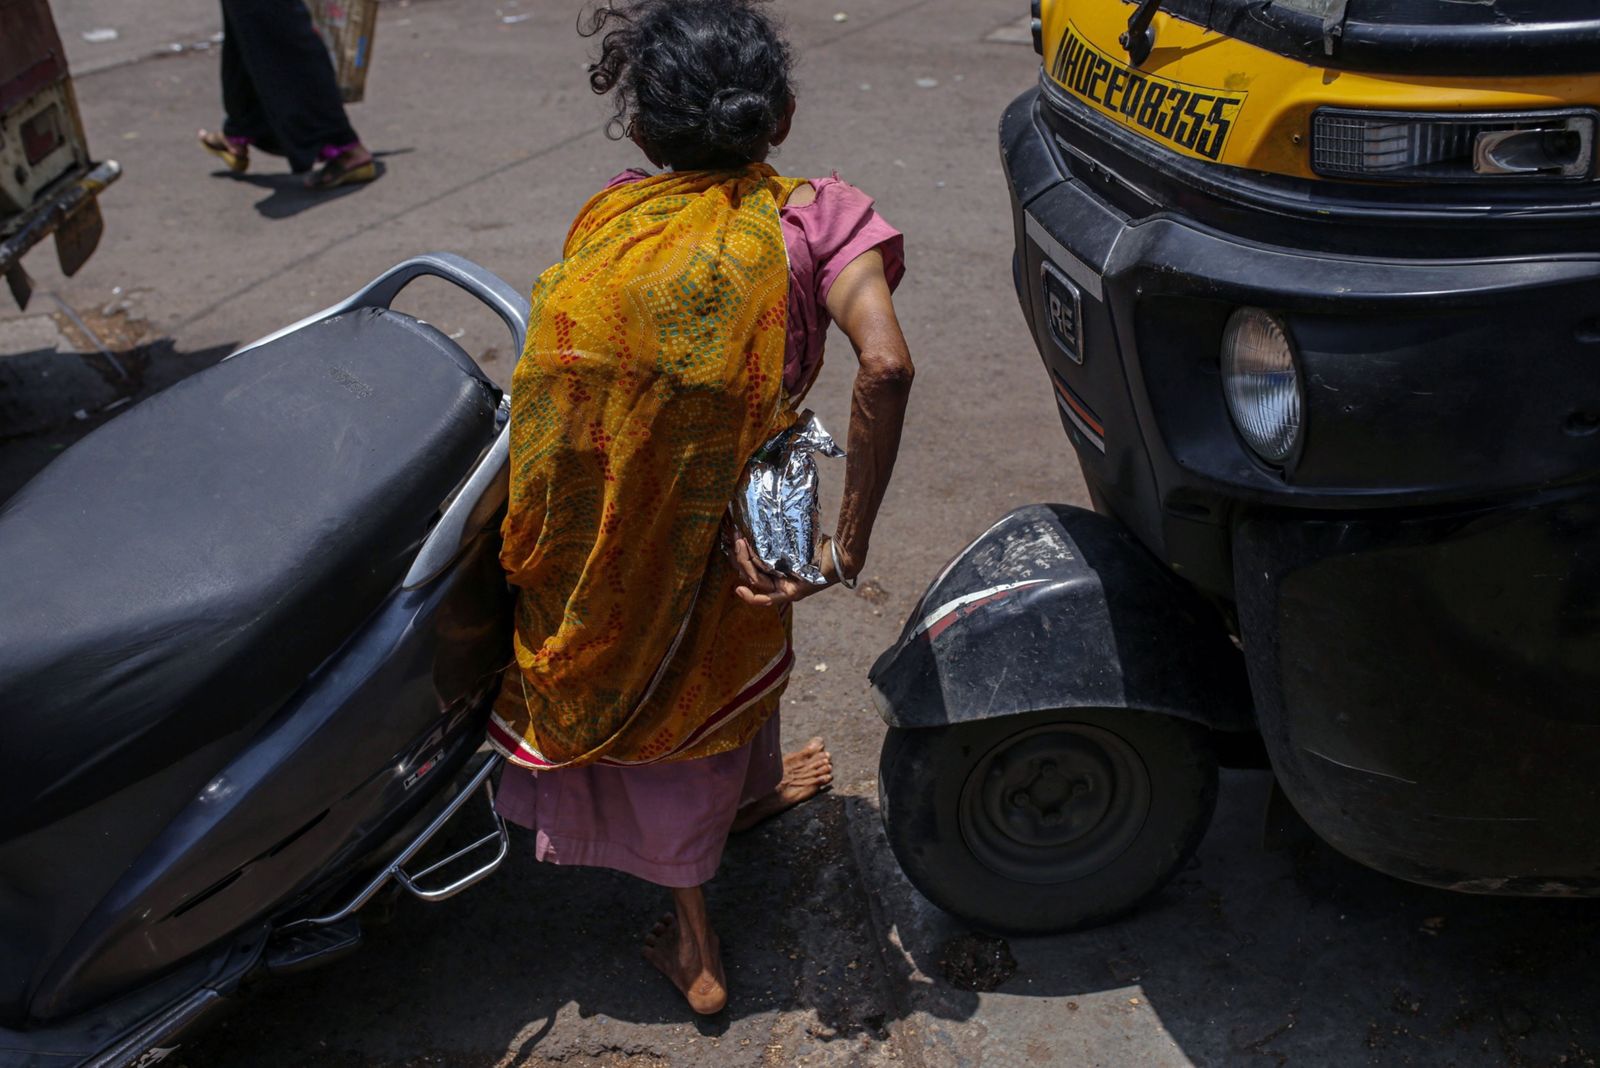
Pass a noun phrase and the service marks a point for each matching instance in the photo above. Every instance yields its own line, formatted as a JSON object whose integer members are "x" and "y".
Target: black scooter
{"x": 250, "y": 634}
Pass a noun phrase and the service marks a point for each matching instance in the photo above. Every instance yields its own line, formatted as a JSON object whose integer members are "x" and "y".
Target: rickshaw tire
{"x": 922, "y": 776}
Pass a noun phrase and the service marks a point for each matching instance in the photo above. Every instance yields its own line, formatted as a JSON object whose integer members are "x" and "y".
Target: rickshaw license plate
{"x": 1064, "y": 311}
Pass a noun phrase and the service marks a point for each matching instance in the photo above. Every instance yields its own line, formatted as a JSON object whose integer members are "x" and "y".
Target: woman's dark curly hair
{"x": 704, "y": 84}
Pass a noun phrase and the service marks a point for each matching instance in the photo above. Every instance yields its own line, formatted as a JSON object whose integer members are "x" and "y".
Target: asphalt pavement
{"x": 490, "y": 140}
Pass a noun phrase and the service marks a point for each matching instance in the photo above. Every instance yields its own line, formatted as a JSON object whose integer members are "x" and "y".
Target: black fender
{"x": 1057, "y": 607}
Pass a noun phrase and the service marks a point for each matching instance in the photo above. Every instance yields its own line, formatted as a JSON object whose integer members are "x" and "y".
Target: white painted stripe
{"x": 932, "y": 618}
{"x": 1094, "y": 439}
{"x": 1087, "y": 277}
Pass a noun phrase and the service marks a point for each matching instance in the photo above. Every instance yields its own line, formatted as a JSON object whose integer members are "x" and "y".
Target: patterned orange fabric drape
{"x": 653, "y": 370}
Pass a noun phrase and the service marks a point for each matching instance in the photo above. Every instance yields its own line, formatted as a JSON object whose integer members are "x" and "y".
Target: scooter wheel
{"x": 1048, "y": 821}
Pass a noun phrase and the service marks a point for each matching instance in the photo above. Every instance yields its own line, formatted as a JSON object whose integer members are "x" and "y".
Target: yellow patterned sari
{"x": 653, "y": 370}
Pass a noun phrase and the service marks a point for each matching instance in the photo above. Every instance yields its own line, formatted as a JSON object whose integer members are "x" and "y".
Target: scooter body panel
{"x": 335, "y": 773}
{"x": 53, "y": 876}
{"x": 154, "y": 841}
{"x": 139, "y": 1028}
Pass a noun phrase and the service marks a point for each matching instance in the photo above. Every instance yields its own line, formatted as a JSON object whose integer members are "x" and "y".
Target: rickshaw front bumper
{"x": 1417, "y": 588}
{"x": 69, "y": 209}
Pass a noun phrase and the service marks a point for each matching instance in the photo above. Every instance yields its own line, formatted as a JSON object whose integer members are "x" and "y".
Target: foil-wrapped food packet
{"x": 776, "y": 506}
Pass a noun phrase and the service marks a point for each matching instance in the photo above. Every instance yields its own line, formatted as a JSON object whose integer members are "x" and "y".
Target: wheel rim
{"x": 1054, "y": 803}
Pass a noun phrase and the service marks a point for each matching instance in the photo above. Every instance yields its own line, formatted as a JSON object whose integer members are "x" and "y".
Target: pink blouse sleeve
{"x": 632, "y": 174}
{"x": 841, "y": 224}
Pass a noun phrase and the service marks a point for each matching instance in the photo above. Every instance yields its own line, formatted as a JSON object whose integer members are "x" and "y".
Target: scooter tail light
{"x": 1261, "y": 383}
{"x": 1441, "y": 147}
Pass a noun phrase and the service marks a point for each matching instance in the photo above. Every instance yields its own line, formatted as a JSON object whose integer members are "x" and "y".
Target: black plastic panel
{"x": 1437, "y": 37}
{"x": 1069, "y": 611}
{"x": 1426, "y": 686}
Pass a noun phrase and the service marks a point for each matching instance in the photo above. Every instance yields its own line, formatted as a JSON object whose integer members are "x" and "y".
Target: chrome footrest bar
{"x": 395, "y": 868}
{"x": 498, "y": 837}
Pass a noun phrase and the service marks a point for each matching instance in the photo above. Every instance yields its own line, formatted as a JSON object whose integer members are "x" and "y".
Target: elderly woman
{"x": 678, "y": 334}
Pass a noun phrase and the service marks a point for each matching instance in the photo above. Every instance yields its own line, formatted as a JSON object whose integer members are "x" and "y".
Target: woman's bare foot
{"x": 689, "y": 954}
{"x": 806, "y": 773}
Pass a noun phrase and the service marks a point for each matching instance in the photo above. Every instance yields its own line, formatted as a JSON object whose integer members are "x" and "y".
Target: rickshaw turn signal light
{"x": 1409, "y": 146}
{"x": 1261, "y": 383}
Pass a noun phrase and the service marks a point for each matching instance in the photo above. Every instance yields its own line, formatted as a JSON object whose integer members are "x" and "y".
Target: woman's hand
{"x": 761, "y": 588}
{"x": 860, "y": 303}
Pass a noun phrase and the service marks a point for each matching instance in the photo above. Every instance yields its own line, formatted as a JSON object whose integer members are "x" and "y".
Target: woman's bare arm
{"x": 860, "y": 303}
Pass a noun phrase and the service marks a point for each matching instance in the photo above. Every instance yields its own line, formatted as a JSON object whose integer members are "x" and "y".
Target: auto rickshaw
{"x": 1316, "y": 285}
{"x": 48, "y": 182}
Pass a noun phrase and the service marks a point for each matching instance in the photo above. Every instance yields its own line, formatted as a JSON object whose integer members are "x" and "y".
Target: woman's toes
{"x": 660, "y": 930}
{"x": 819, "y": 772}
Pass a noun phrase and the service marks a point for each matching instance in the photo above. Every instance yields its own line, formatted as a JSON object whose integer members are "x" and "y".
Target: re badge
{"x": 1064, "y": 311}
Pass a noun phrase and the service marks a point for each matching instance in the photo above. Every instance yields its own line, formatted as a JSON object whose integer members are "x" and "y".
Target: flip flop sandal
{"x": 333, "y": 174}
{"x": 235, "y": 155}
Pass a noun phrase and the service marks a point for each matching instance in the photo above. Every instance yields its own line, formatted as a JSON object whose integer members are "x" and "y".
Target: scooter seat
{"x": 172, "y": 578}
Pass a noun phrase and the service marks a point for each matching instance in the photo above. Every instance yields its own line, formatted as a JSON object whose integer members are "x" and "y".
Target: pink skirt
{"x": 665, "y": 823}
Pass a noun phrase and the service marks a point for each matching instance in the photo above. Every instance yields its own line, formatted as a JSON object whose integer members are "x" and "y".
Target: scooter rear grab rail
{"x": 395, "y": 869}
{"x": 486, "y": 489}
{"x": 490, "y": 288}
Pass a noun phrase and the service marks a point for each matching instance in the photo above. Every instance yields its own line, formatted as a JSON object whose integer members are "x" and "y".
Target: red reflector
{"x": 43, "y": 134}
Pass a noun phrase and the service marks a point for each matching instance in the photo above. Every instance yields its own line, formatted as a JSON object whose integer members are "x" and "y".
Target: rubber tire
{"x": 921, "y": 774}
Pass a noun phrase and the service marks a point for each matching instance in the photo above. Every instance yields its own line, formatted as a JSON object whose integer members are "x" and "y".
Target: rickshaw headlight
{"x": 1261, "y": 383}
{"x": 1444, "y": 147}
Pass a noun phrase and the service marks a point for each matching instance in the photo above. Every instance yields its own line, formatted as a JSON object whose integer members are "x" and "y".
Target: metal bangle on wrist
{"x": 838, "y": 568}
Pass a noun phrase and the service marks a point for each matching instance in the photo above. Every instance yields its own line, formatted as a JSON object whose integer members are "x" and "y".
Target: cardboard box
{"x": 347, "y": 28}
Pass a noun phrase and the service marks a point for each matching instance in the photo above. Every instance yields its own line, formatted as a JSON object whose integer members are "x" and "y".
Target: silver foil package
{"x": 776, "y": 506}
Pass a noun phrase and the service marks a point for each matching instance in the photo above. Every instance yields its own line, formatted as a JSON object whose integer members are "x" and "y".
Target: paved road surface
{"x": 491, "y": 140}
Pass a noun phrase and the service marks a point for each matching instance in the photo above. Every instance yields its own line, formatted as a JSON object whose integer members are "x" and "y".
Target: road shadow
{"x": 50, "y": 399}
{"x": 542, "y": 963}
{"x": 287, "y": 195}
{"x": 1303, "y": 957}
